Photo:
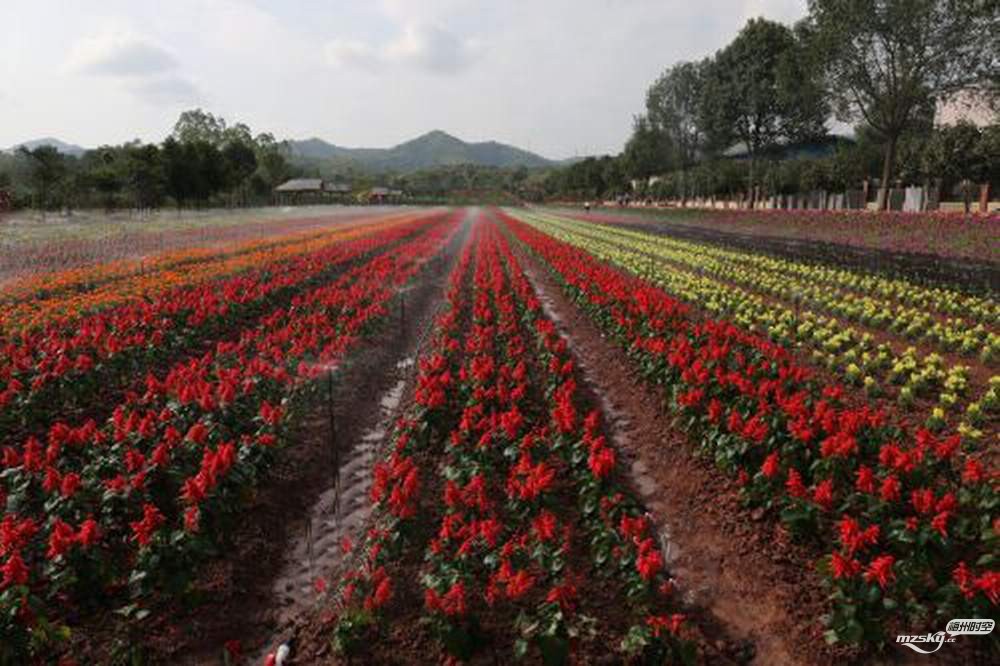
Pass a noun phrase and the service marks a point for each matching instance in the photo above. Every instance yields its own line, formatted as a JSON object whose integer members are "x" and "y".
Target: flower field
{"x": 945, "y": 234}
{"x": 201, "y": 377}
{"x": 907, "y": 513}
{"x": 851, "y": 418}
{"x": 930, "y": 348}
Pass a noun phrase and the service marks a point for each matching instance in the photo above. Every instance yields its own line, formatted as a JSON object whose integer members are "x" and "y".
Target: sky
{"x": 557, "y": 77}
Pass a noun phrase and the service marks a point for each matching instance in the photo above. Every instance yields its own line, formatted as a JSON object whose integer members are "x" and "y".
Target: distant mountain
{"x": 433, "y": 149}
{"x": 61, "y": 146}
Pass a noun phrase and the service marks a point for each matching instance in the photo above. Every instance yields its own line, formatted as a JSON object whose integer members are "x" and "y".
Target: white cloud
{"x": 166, "y": 90}
{"x": 118, "y": 52}
{"x": 556, "y": 76}
{"x": 143, "y": 67}
{"x": 352, "y": 53}
{"x": 432, "y": 48}
{"x": 783, "y": 11}
{"x": 428, "y": 47}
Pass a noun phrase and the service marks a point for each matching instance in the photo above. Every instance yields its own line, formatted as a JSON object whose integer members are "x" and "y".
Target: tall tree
{"x": 48, "y": 169}
{"x": 759, "y": 90}
{"x": 106, "y": 173}
{"x": 197, "y": 125}
{"x": 673, "y": 104}
{"x": 180, "y": 174}
{"x": 887, "y": 60}
{"x": 648, "y": 151}
{"x": 240, "y": 163}
{"x": 147, "y": 178}
{"x": 673, "y": 107}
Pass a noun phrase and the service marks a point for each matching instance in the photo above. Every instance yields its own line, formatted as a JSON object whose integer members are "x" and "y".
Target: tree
{"x": 106, "y": 174}
{"x": 887, "y": 61}
{"x": 613, "y": 175}
{"x": 240, "y": 164}
{"x": 272, "y": 163}
{"x": 953, "y": 153}
{"x": 197, "y": 125}
{"x": 647, "y": 151}
{"x": 180, "y": 176}
{"x": 147, "y": 178}
{"x": 759, "y": 90}
{"x": 673, "y": 107}
{"x": 988, "y": 154}
{"x": 48, "y": 169}
{"x": 209, "y": 168}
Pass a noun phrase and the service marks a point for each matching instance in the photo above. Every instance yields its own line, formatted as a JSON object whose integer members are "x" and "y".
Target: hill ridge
{"x": 430, "y": 149}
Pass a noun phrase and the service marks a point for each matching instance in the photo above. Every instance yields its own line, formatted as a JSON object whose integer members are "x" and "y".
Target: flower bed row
{"x": 949, "y": 235}
{"x": 39, "y": 301}
{"x": 46, "y": 373}
{"x": 904, "y": 299}
{"x": 878, "y": 368}
{"x": 937, "y": 316}
{"x": 909, "y": 521}
{"x": 137, "y": 501}
{"x": 530, "y": 506}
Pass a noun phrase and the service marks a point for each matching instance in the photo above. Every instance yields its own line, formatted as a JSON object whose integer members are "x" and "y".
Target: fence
{"x": 907, "y": 199}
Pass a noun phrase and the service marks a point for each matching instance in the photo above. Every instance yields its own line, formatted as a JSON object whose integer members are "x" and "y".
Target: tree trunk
{"x": 888, "y": 165}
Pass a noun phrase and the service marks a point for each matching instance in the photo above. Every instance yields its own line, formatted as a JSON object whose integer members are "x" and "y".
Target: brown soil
{"x": 739, "y": 567}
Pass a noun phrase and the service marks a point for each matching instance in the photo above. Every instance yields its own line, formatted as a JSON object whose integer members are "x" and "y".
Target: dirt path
{"x": 735, "y": 566}
{"x": 255, "y": 594}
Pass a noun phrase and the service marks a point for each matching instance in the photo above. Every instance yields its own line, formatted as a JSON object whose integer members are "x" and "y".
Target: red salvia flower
{"x": 889, "y": 491}
{"x": 823, "y": 494}
{"x": 844, "y": 567}
{"x": 89, "y": 533}
{"x": 564, "y": 595}
{"x": 14, "y": 571}
{"x": 70, "y": 484}
{"x": 880, "y": 570}
{"x": 649, "y": 564}
{"x": 601, "y": 462}
{"x": 771, "y": 465}
{"x": 152, "y": 519}
{"x": 669, "y": 623}
{"x": 922, "y": 500}
{"x": 865, "y": 481}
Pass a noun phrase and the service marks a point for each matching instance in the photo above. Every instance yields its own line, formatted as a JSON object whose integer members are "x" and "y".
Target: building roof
{"x": 336, "y": 187}
{"x": 301, "y": 185}
{"x": 819, "y": 147}
{"x": 380, "y": 191}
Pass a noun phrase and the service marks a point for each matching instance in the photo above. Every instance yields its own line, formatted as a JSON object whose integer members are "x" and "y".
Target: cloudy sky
{"x": 559, "y": 77}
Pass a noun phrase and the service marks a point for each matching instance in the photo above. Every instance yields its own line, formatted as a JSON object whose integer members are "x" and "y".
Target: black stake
{"x": 334, "y": 451}
{"x": 402, "y": 312}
